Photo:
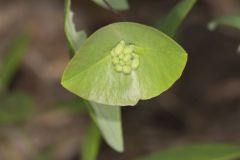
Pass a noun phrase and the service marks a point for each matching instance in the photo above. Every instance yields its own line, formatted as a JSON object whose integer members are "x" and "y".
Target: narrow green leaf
{"x": 13, "y": 59}
{"x": 105, "y": 117}
{"x": 198, "y": 152}
{"x": 75, "y": 39}
{"x": 114, "y": 4}
{"x": 176, "y": 16}
{"x": 232, "y": 21}
{"x": 108, "y": 119}
{"x": 91, "y": 143}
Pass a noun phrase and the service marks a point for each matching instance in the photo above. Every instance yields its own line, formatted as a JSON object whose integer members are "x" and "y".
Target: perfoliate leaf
{"x": 114, "y": 4}
{"x": 232, "y": 21}
{"x": 198, "y": 152}
{"x": 173, "y": 20}
{"x": 92, "y": 73}
{"x": 75, "y": 39}
{"x": 108, "y": 119}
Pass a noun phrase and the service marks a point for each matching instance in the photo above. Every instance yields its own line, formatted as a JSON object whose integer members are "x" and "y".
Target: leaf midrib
{"x": 87, "y": 68}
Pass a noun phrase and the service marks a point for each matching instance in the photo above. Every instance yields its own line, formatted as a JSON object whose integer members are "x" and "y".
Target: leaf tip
{"x": 211, "y": 26}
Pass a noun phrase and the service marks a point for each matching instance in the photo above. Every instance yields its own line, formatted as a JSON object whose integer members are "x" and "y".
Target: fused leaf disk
{"x": 123, "y": 63}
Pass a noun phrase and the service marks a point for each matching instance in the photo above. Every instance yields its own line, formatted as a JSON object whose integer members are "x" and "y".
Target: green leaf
{"x": 173, "y": 20}
{"x": 232, "y": 21}
{"x": 92, "y": 76}
{"x": 198, "y": 152}
{"x": 108, "y": 119}
{"x": 114, "y": 4}
{"x": 91, "y": 143}
{"x": 75, "y": 39}
{"x": 13, "y": 59}
{"x": 105, "y": 117}
{"x": 15, "y": 107}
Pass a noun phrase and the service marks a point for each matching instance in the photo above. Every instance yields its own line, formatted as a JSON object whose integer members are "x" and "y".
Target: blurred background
{"x": 39, "y": 119}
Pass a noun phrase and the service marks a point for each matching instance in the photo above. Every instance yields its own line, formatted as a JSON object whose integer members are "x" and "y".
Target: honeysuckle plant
{"x": 123, "y": 63}
{"x": 119, "y": 65}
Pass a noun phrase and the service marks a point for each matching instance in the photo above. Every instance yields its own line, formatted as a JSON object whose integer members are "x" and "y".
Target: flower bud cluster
{"x": 124, "y": 58}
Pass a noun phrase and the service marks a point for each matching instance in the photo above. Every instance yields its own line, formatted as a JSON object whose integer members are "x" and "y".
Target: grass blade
{"x": 198, "y": 152}
{"x": 176, "y": 16}
{"x": 232, "y": 21}
{"x": 91, "y": 143}
{"x": 13, "y": 59}
{"x": 118, "y": 5}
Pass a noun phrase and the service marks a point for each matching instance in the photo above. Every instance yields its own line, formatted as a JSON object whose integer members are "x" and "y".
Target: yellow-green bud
{"x": 118, "y": 68}
{"x": 128, "y": 62}
{"x": 135, "y": 56}
{"x": 115, "y": 60}
{"x": 119, "y": 48}
{"x": 126, "y": 69}
{"x": 121, "y": 56}
{"x": 135, "y": 63}
{"x": 124, "y": 59}
{"x": 128, "y": 49}
{"x": 121, "y": 62}
{"x": 127, "y": 57}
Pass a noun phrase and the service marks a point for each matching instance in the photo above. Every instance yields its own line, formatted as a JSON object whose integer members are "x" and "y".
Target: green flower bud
{"x": 129, "y": 62}
{"x": 115, "y": 60}
{"x": 135, "y": 63}
{"x": 127, "y": 57}
{"x": 128, "y": 49}
{"x": 113, "y": 54}
{"x": 118, "y": 68}
{"x": 121, "y": 56}
{"x": 121, "y": 62}
{"x": 119, "y": 48}
{"x": 126, "y": 69}
{"x": 122, "y": 42}
{"x": 135, "y": 56}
